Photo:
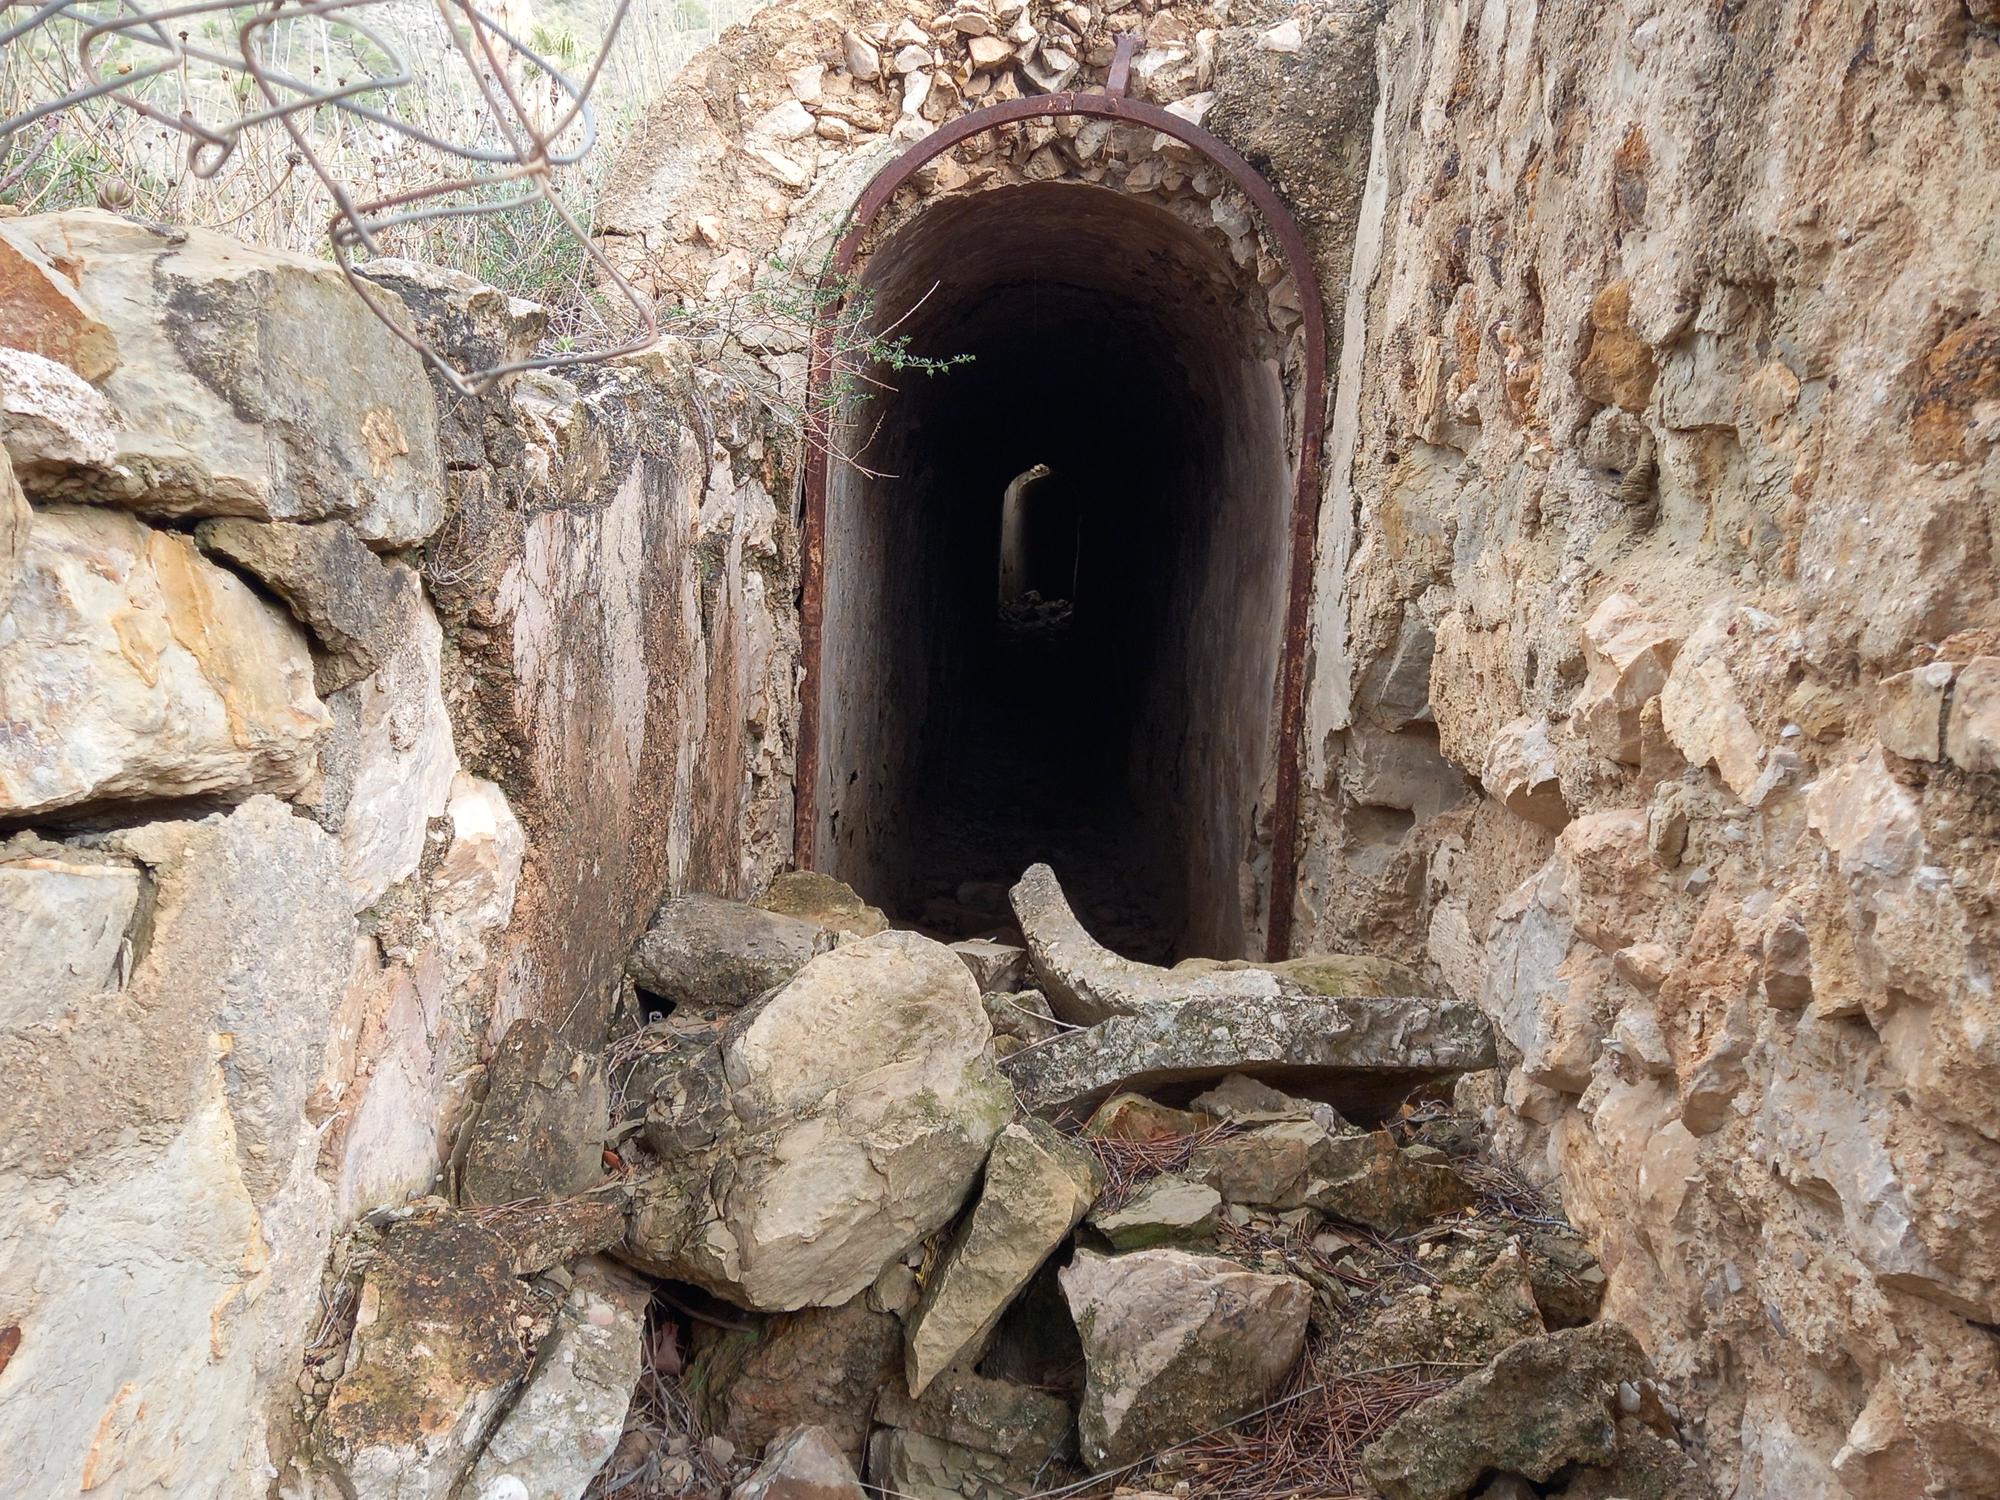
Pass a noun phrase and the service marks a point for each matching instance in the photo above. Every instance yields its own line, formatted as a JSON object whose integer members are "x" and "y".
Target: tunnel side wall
{"x": 341, "y": 734}
{"x": 1654, "y": 653}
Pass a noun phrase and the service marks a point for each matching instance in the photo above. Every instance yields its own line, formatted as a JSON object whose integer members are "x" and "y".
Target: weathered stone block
{"x": 251, "y": 382}
{"x": 42, "y": 312}
{"x": 1175, "y": 1344}
{"x": 134, "y": 669}
{"x": 1038, "y": 1185}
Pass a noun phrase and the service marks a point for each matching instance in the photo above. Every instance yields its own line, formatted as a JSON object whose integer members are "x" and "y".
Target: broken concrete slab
{"x": 1322, "y": 973}
{"x": 1085, "y": 982}
{"x": 1362, "y": 1056}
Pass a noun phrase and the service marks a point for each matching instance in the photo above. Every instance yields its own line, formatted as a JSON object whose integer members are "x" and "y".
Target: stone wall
{"x": 338, "y": 727}
{"x": 1657, "y": 580}
{"x": 726, "y": 203}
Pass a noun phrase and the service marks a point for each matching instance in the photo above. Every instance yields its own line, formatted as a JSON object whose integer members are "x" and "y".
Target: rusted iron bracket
{"x": 1112, "y": 104}
{"x": 1120, "y": 76}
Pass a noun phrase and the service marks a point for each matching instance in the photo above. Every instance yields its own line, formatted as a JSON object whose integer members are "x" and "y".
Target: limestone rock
{"x": 42, "y": 312}
{"x": 1022, "y": 1015}
{"x": 806, "y": 1464}
{"x": 394, "y": 760}
{"x": 1134, "y": 1117}
{"x": 705, "y": 951}
{"x": 1702, "y": 707}
{"x": 1539, "y": 1405}
{"x": 1520, "y": 774}
{"x": 568, "y": 1419}
{"x": 1038, "y": 1185}
{"x": 1385, "y": 1188}
{"x": 1972, "y": 739}
{"x": 969, "y": 1438}
{"x": 1628, "y": 657}
{"x": 1086, "y": 982}
{"x": 1238, "y": 1100}
{"x": 996, "y": 967}
{"x": 1361, "y": 1055}
{"x": 1909, "y": 711}
{"x": 66, "y": 918}
{"x": 442, "y": 1341}
{"x": 540, "y": 1131}
{"x": 1648, "y": 1467}
{"x": 851, "y": 1111}
{"x": 1360, "y": 1176}
{"x": 251, "y": 382}
{"x": 474, "y": 325}
{"x": 331, "y": 582}
{"x": 557, "y": 1231}
{"x": 863, "y": 61}
{"x": 1468, "y": 1316}
{"x": 823, "y": 901}
{"x": 1168, "y": 1210}
{"x": 821, "y": 1367}
{"x": 15, "y": 520}
{"x": 1547, "y": 993}
{"x": 1565, "y": 1277}
{"x": 52, "y": 423}
{"x": 134, "y": 669}
{"x": 1175, "y": 1344}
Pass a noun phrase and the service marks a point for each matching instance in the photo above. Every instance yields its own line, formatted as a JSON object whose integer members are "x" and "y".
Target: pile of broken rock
{"x": 993, "y": 1219}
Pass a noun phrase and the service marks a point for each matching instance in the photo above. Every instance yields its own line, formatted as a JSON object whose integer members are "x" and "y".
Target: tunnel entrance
{"x": 1055, "y": 583}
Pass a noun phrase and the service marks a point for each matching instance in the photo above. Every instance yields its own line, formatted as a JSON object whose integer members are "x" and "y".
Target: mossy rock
{"x": 1337, "y": 975}
{"x": 831, "y": 903}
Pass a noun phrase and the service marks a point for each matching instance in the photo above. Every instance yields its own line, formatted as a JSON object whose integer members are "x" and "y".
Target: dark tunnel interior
{"x": 1099, "y": 691}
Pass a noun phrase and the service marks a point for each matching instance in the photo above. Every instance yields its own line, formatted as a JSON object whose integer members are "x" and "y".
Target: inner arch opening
{"x": 1124, "y": 730}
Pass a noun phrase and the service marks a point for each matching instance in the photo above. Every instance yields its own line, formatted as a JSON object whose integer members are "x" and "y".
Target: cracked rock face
{"x": 848, "y": 1117}
{"x": 222, "y": 387}
{"x": 568, "y": 1418}
{"x": 1176, "y": 1344}
{"x": 135, "y": 669}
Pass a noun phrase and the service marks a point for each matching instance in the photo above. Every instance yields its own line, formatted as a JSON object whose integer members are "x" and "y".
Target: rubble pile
{"x": 856, "y": 1232}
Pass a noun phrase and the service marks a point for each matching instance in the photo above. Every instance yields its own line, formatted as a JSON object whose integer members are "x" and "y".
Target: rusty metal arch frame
{"x": 1114, "y": 105}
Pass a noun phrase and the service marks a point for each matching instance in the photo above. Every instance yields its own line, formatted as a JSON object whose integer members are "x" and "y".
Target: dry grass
{"x": 661, "y": 1419}
{"x": 1308, "y": 1445}
{"x": 1129, "y": 1165}
{"x": 101, "y": 153}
